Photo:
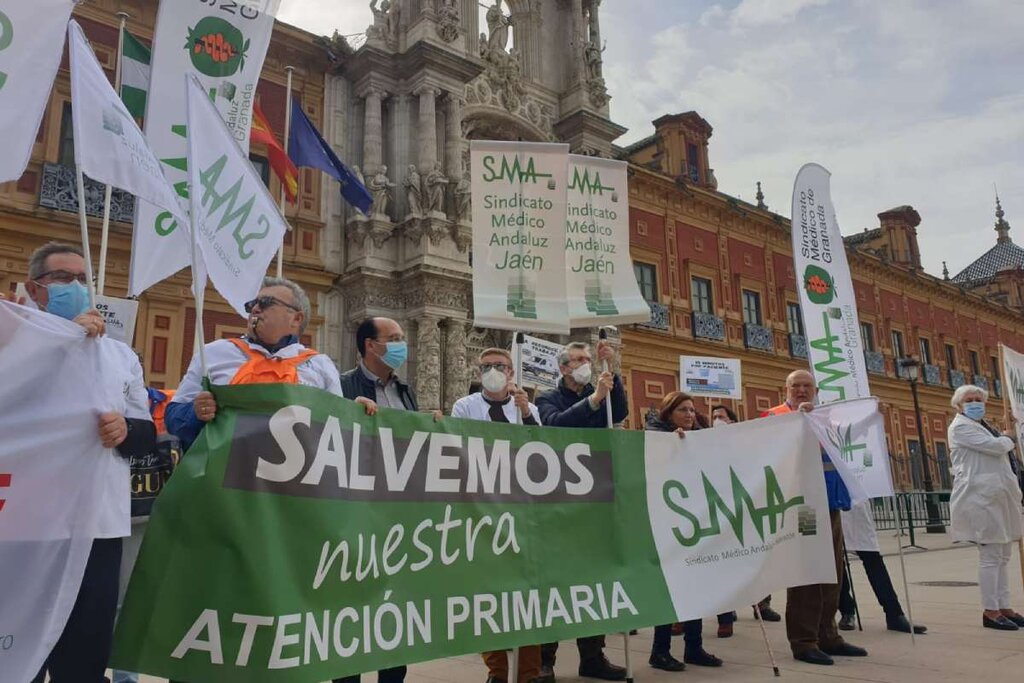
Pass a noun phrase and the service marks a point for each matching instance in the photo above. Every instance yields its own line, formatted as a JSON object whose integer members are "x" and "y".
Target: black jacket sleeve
{"x": 620, "y": 405}
{"x": 141, "y": 438}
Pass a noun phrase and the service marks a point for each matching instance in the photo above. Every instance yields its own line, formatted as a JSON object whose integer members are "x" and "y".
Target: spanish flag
{"x": 282, "y": 166}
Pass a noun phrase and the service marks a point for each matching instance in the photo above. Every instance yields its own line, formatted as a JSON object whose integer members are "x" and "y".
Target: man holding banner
{"x": 811, "y": 610}
{"x": 575, "y": 402}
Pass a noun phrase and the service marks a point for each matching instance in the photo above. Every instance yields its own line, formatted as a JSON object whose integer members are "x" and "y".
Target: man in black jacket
{"x": 382, "y": 351}
{"x": 575, "y": 402}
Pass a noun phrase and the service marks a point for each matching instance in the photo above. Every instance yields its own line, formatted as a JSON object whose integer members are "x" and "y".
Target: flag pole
{"x": 83, "y": 224}
{"x": 903, "y": 562}
{"x": 287, "y": 134}
{"x": 105, "y": 233}
{"x": 198, "y": 291}
{"x": 1020, "y": 542}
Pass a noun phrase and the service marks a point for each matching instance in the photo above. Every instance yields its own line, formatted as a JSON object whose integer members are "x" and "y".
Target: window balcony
{"x": 758, "y": 337}
{"x": 659, "y": 317}
{"x": 708, "y": 326}
{"x": 875, "y": 362}
{"x": 981, "y": 381}
{"x": 997, "y": 388}
{"x": 956, "y": 379}
{"x": 932, "y": 375}
{"x": 797, "y": 345}
{"x": 58, "y": 190}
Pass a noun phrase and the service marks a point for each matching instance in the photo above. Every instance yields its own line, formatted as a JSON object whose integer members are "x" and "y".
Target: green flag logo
{"x": 819, "y": 285}
{"x": 216, "y": 47}
{"x": 513, "y": 171}
{"x": 6, "y": 38}
{"x": 585, "y": 184}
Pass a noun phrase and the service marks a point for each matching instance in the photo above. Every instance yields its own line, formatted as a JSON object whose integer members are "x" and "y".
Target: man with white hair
{"x": 269, "y": 353}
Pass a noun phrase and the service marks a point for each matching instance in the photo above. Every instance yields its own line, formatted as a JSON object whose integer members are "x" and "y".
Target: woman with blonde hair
{"x": 985, "y": 506}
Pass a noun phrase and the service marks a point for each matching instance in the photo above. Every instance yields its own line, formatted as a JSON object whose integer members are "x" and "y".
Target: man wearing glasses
{"x": 575, "y": 402}
{"x": 269, "y": 353}
{"x": 500, "y": 400}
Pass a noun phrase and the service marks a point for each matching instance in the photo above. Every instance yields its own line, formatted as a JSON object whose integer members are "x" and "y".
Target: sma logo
{"x": 582, "y": 181}
{"x": 513, "y": 171}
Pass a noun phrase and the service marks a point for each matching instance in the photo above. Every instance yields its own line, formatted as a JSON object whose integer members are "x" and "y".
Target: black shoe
{"x": 847, "y": 622}
{"x": 768, "y": 614}
{"x": 547, "y": 674}
{"x": 845, "y": 649}
{"x": 666, "y": 662}
{"x": 600, "y": 667}
{"x": 1000, "y": 623}
{"x": 814, "y": 656}
{"x": 701, "y": 658}
{"x": 633, "y": 632}
{"x": 902, "y": 624}
{"x": 492, "y": 679}
{"x": 1015, "y": 618}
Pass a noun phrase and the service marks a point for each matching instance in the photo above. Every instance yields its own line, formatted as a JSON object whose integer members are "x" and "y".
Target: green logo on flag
{"x": 216, "y": 47}
{"x": 513, "y": 171}
{"x": 6, "y": 38}
{"x": 843, "y": 440}
{"x": 582, "y": 182}
{"x": 826, "y": 367}
{"x": 819, "y": 285}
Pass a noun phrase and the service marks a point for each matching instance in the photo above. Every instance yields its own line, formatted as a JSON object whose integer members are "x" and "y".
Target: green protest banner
{"x": 301, "y": 540}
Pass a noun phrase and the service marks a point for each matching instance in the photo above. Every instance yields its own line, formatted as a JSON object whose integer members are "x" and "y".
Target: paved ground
{"x": 956, "y": 647}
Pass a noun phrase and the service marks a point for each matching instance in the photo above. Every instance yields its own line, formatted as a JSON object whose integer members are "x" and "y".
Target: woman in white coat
{"x": 985, "y": 507}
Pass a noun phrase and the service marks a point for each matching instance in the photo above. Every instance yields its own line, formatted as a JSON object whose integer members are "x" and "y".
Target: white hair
{"x": 961, "y": 393}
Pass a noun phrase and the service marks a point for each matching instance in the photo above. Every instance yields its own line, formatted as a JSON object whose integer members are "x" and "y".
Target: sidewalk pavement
{"x": 956, "y": 647}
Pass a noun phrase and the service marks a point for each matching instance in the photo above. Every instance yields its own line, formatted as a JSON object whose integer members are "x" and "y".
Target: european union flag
{"x": 307, "y": 148}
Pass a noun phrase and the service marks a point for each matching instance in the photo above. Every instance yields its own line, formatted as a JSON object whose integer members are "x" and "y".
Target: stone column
{"x": 428, "y": 363}
{"x": 457, "y": 366}
{"x": 373, "y": 135}
{"x": 578, "y": 65}
{"x": 454, "y": 148}
{"x": 428, "y": 127}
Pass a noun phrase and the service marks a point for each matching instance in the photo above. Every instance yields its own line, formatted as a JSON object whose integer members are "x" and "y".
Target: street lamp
{"x": 911, "y": 369}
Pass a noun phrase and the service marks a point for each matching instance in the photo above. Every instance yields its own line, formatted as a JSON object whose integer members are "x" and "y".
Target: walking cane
{"x": 853, "y": 593}
{"x": 603, "y": 335}
{"x": 767, "y": 643}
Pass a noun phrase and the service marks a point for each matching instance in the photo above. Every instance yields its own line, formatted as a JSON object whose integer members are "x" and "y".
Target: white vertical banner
{"x": 1013, "y": 384}
{"x": 238, "y": 226}
{"x": 224, "y": 45}
{"x": 519, "y": 198}
{"x": 31, "y": 45}
{"x": 600, "y": 282}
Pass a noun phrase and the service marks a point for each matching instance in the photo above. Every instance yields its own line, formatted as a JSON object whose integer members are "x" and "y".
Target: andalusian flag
{"x": 283, "y": 168}
{"x": 134, "y": 75}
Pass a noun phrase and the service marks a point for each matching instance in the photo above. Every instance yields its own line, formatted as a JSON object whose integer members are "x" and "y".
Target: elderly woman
{"x": 678, "y": 414}
{"x": 985, "y": 507}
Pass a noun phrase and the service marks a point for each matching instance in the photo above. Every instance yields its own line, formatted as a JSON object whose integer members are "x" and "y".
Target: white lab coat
{"x": 475, "y": 407}
{"x": 859, "y": 528}
{"x": 985, "y": 506}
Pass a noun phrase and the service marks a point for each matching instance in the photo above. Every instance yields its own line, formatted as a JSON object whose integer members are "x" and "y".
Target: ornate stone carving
{"x": 428, "y": 363}
{"x": 458, "y": 368}
{"x": 598, "y": 92}
{"x": 439, "y": 292}
{"x": 463, "y": 199}
{"x": 434, "y": 227}
{"x": 378, "y": 230}
{"x": 498, "y": 26}
{"x": 413, "y": 192}
{"x": 59, "y": 190}
{"x": 434, "y": 186}
{"x": 384, "y": 28}
{"x": 380, "y": 187}
{"x": 448, "y": 21}
{"x": 592, "y": 54}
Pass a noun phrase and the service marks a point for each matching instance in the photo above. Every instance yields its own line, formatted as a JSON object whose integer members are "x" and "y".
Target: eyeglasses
{"x": 64, "y": 277}
{"x": 265, "y": 302}
{"x": 501, "y": 367}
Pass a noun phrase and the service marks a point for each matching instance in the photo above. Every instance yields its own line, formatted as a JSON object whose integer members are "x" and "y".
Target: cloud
{"x": 760, "y": 13}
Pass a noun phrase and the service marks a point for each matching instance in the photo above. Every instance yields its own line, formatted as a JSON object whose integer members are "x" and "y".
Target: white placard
{"x": 540, "y": 363}
{"x": 119, "y": 314}
{"x": 709, "y": 376}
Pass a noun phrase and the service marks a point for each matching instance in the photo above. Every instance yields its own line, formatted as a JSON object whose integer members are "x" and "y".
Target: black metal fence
{"x": 913, "y": 512}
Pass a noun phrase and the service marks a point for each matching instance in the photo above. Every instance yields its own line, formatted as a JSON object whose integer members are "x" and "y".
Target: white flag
{"x": 853, "y": 434}
{"x": 238, "y": 226}
{"x": 59, "y": 488}
{"x": 109, "y": 147}
{"x": 1013, "y": 383}
{"x": 600, "y": 282}
{"x": 224, "y": 44}
{"x": 31, "y": 44}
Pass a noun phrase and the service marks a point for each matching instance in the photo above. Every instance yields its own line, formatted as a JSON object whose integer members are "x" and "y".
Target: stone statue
{"x": 592, "y": 54}
{"x": 497, "y": 27}
{"x": 435, "y": 183}
{"x": 463, "y": 199}
{"x": 385, "y": 21}
{"x": 380, "y": 187}
{"x": 448, "y": 21}
{"x": 413, "y": 192}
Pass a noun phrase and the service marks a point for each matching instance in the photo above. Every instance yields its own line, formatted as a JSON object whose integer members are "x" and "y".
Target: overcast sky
{"x": 916, "y": 102}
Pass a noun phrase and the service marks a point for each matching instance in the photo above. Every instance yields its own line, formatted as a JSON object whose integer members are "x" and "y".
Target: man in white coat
{"x": 985, "y": 507}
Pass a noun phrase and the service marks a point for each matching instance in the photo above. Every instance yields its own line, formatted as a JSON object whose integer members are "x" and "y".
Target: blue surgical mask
{"x": 68, "y": 300}
{"x": 396, "y": 355}
{"x": 974, "y": 410}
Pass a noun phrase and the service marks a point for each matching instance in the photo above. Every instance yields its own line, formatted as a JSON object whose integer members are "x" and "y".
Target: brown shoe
{"x": 725, "y": 630}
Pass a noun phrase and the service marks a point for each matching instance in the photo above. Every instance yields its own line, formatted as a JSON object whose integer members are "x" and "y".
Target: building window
{"x": 995, "y": 368}
{"x": 796, "y": 322}
{"x": 66, "y": 150}
{"x": 898, "y": 350}
{"x": 693, "y": 162}
{"x": 647, "y": 280}
{"x": 975, "y": 363}
{"x": 700, "y": 291}
{"x": 751, "y": 307}
{"x": 262, "y": 167}
{"x": 926, "y": 350}
{"x": 950, "y": 356}
{"x": 867, "y": 334}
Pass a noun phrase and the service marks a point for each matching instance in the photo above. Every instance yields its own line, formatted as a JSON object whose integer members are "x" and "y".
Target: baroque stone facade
{"x": 430, "y": 77}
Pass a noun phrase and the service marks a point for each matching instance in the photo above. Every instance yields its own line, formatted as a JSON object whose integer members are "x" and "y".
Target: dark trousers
{"x": 82, "y": 651}
{"x": 811, "y": 610}
{"x": 881, "y": 584}
{"x": 591, "y": 647}
{"x": 693, "y": 637}
{"x": 395, "y": 675}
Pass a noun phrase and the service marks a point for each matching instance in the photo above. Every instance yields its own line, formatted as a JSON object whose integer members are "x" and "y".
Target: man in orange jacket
{"x": 811, "y": 610}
